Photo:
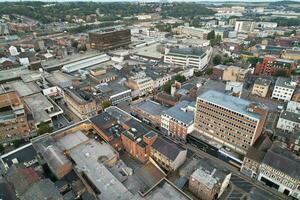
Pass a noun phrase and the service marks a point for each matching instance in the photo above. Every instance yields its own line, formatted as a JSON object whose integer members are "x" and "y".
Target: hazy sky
{"x": 153, "y": 0}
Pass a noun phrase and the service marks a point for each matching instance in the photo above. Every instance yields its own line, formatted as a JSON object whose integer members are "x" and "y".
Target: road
{"x": 242, "y": 184}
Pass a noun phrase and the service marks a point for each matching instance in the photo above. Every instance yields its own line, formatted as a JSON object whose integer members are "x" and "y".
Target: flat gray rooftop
{"x": 151, "y": 107}
{"x": 38, "y": 105}
{"x": 178, "y": 113}
{"x": 86, "y": 157}
{"x": 72, "y": 140}
{"x": 229, "y": 102}
{"x": 24, "y": 89}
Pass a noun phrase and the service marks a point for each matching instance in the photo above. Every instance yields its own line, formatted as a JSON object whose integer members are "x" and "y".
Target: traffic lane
{"x": 241, "y": 183}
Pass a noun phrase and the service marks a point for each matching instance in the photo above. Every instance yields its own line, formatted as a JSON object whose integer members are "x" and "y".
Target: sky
{"x": 151, "y": 0}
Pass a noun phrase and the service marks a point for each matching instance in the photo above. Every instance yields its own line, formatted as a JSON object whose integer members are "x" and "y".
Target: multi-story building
{"x": 261, "y": 87}
{"x": 291, "y": 54}
{"x": 254, "y": 156}
{"x": 178, "y": 121}
{"x": 149, "y": 112}
{"x": 208, "y": 182}
{"x": 284, "y": 89}
{"x": 80, "y": 102}
{"x": 233, "y": 122}
{"x": 293, "y": 106}
{"x": 245, "y": 26}
{"x": 168, "y": 154}
{"x": 138, "y": 144}
{"x": 13, "y": 117}
{"x": 271, "y": 65}
{"x": 110, "y": 39}
{"x": 229, "y": 73}
{"x": 280, "y": 170}
{"x": 288, "y": 121}
{"x": 193, "y": 32}
{"x": 141, "y": 84}
{"x": 197, "y": 58}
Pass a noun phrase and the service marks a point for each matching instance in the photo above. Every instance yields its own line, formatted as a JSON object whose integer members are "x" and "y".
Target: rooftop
{"x": 263, "y": 81}
{"x": 229, "y": 102}
{"x": 283, "y": 160}
{"x": 151, "y": 107}
{"x": 88, "y": 160}
{"x": 193, "y": 51}
{"x": 80, "y": 96}
{"x": 169, "y": 149}
{"x": 183, "y": 111}
{"x": 284, "y": 82}
{"x": 208, "y": 174}
{"x": 84, "y": 63}
{"x": 70, "y": 141}
{"x": 38, "y": 104}
{"x": 44, "y": 189}
{"x": 291, "y": 116}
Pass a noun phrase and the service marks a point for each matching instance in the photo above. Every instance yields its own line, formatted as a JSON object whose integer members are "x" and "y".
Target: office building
{"x": 197, "y": 58}
{"x": 80, "y": 102}
{"x": 110, "y": 39}
{"x": 284, "y": 89}
{"x": 244, "y": 26}
{"x": 233, "y": 122}
{"x": 261, "y": 87}
{"x": 272, "y": 65}
{"x": 288, "y": 121}
{"x": 178, "y": 120}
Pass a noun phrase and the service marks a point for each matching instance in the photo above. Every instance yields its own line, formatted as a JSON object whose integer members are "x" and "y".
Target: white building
{"x": 293, "y": 106}
{"x": 13, "y": 51}
{"x": 280, "y": 170}
{"x": 84, "y": 63}
{"x": 284, "y": 89}
{"x": 288, "y": 121}
{"x": 197, "y": 58}
{"x": 245, "y": 26}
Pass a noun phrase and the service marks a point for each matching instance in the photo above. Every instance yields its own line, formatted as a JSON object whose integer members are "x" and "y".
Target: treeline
{"x": 185, "y": 10}
{"x": 53, "y": 12}
{"x": 286, "y": 21}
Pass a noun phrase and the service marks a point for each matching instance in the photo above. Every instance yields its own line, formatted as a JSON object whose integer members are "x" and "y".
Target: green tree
{"x": 105, "y": 104}
{"x": 216, "y": 40}
{"x": 281, "y": 73}
{"x": 180, "y": 78}
{"x": 74, "y": 44}
{"x": 209, "y": 71}
{"x": 217, "y": 59}
{"x": 44, "y": 128}
{"x": 1, "y": 149}
{"x": 211, "y": 35}
{"x": 167, "y": 86}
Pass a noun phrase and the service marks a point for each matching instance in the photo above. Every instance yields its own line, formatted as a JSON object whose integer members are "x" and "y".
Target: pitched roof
{"x": 168, "y": 149}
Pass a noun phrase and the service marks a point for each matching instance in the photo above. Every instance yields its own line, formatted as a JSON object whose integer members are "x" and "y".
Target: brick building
{"x": 271, "y": 65}
{"x": 13, "y": 117}
{"x": 233, "y": 122}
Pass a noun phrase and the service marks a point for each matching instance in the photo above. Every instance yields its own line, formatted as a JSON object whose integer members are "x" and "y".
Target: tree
{"x": 167, "y": 86}
{"x": 209, "y": 71}
{"x": 105, "y": 104}
{"x": 180, "y": 78}
{"x": 217, "y": 59}
{"x": 216, "y": 40}
{"x": 211, "y": 35}
{"x": 74, "y": 44}
{"x": 254, "y": 60}
{"x": 1, "y": 148}
{"x": 281, "y": 73}
{"x": 44, "y": 128}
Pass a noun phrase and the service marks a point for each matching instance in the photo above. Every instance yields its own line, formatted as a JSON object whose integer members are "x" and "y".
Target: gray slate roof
{"x": 168, "y": 149}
